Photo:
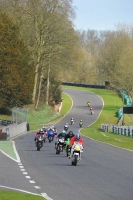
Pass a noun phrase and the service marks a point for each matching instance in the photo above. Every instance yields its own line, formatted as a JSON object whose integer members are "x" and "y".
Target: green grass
{"x": 44, "y": 116}
{"x": 8, "y": 195}
{"x": 112, "y": 102}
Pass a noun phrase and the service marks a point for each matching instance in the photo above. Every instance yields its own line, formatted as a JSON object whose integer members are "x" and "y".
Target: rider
{"x": 54, "y": 129}
{"x": 72, "y": 120}
{"x": 76, "y": 138}
{"x": 45, "y": 131}
{"x": 88, "y": 103}
{"x": 66, "y": 126}
{"x": 91, "y": 110}
{"x": 60, "y": 135}
{"x": 69, "y": 135}
{"x": 40, "y": 132}
{"x": 81, "y": 122}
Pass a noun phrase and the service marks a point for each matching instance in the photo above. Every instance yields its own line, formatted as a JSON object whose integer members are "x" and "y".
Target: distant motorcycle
{"x": 92, "y": 112}
{"x": 88, "y": 104}
{"x": 72, "y": 121}
{"x": 80, "y": 124}
{"x": 60, "y": 145}
{"x": 77, "y": 151}
{"x": 39, "y": 142}
{"x": 66, "y": 128}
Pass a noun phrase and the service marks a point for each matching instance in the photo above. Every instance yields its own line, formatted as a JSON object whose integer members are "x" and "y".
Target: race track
{"x": 104, "y": 173}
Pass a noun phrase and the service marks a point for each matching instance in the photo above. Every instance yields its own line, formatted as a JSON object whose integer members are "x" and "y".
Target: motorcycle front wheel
{"x": 75, "y": 160}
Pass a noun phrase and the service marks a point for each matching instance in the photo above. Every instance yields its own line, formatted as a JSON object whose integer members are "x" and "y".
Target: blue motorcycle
{"x": 50, "y": 135}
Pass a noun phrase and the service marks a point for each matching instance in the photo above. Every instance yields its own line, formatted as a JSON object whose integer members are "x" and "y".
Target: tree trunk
{"x": 47, "y": 87}
{"x": 36, "y": 79}
{"x": 39, "y": 91}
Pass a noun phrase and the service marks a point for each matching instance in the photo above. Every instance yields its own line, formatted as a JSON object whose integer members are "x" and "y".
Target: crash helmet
{"x": 77, "y": 136}
{"x": 41, "y": 130}
{"x": 64, "y": 131}
{"x": 70, "y": 133}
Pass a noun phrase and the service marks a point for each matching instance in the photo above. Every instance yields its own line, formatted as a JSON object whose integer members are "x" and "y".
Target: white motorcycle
{"x": 77, "y": 149}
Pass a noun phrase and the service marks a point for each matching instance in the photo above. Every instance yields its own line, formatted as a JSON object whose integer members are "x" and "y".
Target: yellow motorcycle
{"x": 88, "y": 104}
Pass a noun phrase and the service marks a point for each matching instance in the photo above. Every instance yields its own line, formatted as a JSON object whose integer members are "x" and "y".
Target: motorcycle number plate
{"x": 76, "y": 153}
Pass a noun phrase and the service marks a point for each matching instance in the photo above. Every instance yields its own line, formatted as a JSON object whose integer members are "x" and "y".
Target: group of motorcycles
{"x": 63, "y": 145}
{"x": 41, "y": 138}
{"x": 91, "y": 110}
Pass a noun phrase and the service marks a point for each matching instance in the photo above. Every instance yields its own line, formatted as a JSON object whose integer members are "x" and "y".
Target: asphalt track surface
{"x": 104, "y": 173}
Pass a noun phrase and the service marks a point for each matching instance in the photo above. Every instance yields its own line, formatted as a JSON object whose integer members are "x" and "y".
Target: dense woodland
{"x": 40, "y": 48}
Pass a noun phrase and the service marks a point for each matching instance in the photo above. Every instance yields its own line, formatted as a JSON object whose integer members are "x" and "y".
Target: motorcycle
{"x": 88, "y": 104}
{"x": 68, "y": 149}
{"x": 66, "y": 128}
{"x": 77, "y": 151}
{"x": 45, "y": 136}
{"x": 39, "y": 142}
{"x": 60, "y": 145}
{"x": 72, "y": 121}
{"x": 92, "y": 112}
{"x": 50, "y": 135}
{"x": 80, "y": 124}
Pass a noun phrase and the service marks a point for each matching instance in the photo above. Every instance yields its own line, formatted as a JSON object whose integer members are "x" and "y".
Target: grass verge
{"x": 8, "y": 195}
{"x": 112, "y": 102}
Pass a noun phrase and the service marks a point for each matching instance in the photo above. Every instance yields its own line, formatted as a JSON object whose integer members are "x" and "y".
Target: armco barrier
{"x": 107, "y": 127}
{"x": 121, "y": 130}
{"x": 84, "y": 85}
{"x": 15, "y": 130}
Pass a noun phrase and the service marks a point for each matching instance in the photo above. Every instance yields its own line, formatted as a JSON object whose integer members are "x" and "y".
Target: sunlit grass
{"x": 112, "y": 102}
{"x": 8, "y": 195}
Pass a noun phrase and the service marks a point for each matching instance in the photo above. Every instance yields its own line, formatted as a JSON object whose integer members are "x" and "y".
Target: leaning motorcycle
{"x": 60, "y": 145}
{"x": 77, "y": 151}
{"x": 39, "y": 142}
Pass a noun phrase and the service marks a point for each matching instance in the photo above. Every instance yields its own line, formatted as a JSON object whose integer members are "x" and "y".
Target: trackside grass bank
{"x": 112, "y": 102}
{"x": 8, "y": 195}
{"x": 45, "y": 117}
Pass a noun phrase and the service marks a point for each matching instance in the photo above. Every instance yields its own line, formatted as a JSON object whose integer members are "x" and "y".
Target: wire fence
{"x": 19, "y": 115}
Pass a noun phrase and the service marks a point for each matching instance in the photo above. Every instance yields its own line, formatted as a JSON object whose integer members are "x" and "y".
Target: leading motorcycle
{"x": 77, "y": 149}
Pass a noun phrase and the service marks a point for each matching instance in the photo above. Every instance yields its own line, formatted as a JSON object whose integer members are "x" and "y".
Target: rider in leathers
{"x": 60, "y": 135}
{"x": 76, "y": 138}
